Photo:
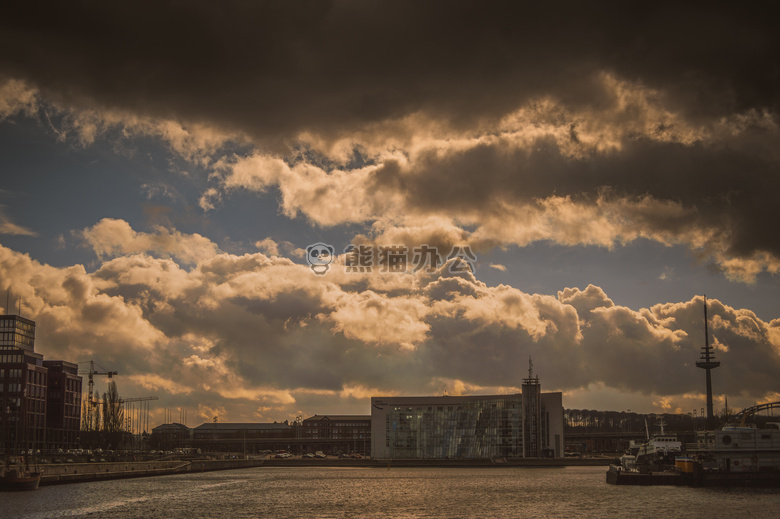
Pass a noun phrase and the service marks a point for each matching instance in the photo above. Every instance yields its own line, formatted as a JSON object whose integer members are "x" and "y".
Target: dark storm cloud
{"x": 728, "y": 189}
{"x": 687, "y": 96}
{"x": 277, "y": 68}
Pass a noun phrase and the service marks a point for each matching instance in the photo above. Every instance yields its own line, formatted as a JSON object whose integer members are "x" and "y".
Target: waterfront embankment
{"x": 441, "y": 463}
{"x": 62, "y": 473}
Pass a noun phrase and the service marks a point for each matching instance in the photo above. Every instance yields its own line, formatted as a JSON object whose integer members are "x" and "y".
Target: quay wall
{"x": 54, "y": 474}
{"x": 443, "y": 463}
{"x": 60, "y": 473}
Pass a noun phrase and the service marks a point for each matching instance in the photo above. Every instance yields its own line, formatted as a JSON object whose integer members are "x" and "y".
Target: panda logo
{"x": 319, "y": 256}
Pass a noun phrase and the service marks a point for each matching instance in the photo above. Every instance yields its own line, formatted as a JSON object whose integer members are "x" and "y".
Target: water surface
{"x": 332, "y": 492}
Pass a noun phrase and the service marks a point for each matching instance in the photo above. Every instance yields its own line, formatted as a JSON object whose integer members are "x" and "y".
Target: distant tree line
{"x": 103, "y": 426}
{"x": 588, "y": 420}
{"x": 591, "y": 420}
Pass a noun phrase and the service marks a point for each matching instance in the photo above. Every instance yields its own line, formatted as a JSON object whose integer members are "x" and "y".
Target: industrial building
{"x": 250, "y": 438}
{"x": 40, "y": 401}
{"x": 170, "y": 436}
{"x": 526, "y": 425}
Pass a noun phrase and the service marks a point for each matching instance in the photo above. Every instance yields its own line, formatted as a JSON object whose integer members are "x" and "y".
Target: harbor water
{"x": 333, "y": 492}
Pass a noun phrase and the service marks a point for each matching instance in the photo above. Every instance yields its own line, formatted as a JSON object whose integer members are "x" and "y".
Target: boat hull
{"x": 15, "y": 482}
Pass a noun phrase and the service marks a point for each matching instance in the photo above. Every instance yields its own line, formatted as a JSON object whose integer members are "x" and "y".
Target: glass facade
{"x": 467, "y": 428}
{"x": 17, "y": 332}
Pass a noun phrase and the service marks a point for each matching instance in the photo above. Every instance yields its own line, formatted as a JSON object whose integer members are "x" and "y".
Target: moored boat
{"x": 19, "y": 479}
{"x": 657, "y": 451}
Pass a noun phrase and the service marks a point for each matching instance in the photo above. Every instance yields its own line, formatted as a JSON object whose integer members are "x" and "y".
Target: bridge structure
{"x": 750, "y": 411}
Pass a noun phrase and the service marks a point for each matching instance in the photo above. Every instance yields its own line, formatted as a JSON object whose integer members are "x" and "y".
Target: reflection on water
{"x": 380, "y": 493}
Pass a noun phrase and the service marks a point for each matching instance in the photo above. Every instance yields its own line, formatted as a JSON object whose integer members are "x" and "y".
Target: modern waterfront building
{"x": 337, "y": 434}
{"x": 456, "y": 427}
{"x": 40, "y": 401}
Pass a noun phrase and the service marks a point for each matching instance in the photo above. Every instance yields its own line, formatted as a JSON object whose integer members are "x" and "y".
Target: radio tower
{"x": 707, "y": 362}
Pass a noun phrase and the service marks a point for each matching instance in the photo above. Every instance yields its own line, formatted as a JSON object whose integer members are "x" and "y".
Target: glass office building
{"x": 460, "y": 427}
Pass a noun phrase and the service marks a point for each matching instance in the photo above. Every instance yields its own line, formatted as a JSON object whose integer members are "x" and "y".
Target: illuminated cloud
{"x": 111, "y": 237}
{"x": 9, "y": 227}
{"x": 274, "y": 339}
{"x": 16, "y": 98}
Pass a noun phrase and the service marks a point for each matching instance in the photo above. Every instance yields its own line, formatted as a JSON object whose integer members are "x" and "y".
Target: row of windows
{"x": 18, "y": 337}
{"x": 36, "y": 377}
{"x": 12, "y": 388}
{"x": 36, "y": 392}
{"x": 71, "y": 385}
{"x": 313, "y": 435}
{"x": 31, "y": 391}
{"x": 39, "y": 377}
{"x": 19, "y": 325}
{"x": 10, "y": 359}
{"x": 366, "y": 425}
{"x": 14, "y": 405}
{"x": 323, "y": 430}
{"x": 10, "y": 404}
{"x": 503, "y": 404}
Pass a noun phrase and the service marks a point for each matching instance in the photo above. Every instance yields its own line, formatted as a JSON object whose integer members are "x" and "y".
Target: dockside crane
{"x": 90, "y": 374}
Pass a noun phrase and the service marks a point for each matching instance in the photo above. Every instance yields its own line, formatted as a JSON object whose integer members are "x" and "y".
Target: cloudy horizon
{"x": 166, "y": 166}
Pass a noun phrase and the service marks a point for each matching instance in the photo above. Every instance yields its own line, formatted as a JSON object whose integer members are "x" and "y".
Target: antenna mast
{"x": 707, "y": 362}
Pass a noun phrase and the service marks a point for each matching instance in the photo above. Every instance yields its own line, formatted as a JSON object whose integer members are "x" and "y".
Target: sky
{"x": 574, "y": 178}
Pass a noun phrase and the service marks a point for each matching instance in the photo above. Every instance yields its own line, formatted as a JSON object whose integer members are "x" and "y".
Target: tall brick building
{"x": 40, "y": 401}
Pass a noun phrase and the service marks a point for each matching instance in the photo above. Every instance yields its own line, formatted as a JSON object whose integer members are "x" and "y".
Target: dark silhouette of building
{"x": 334, "y": 434}
{"x": 249, "y": 438}
{"x": 63, "y": 404}
{"x": 170, "y": 436}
